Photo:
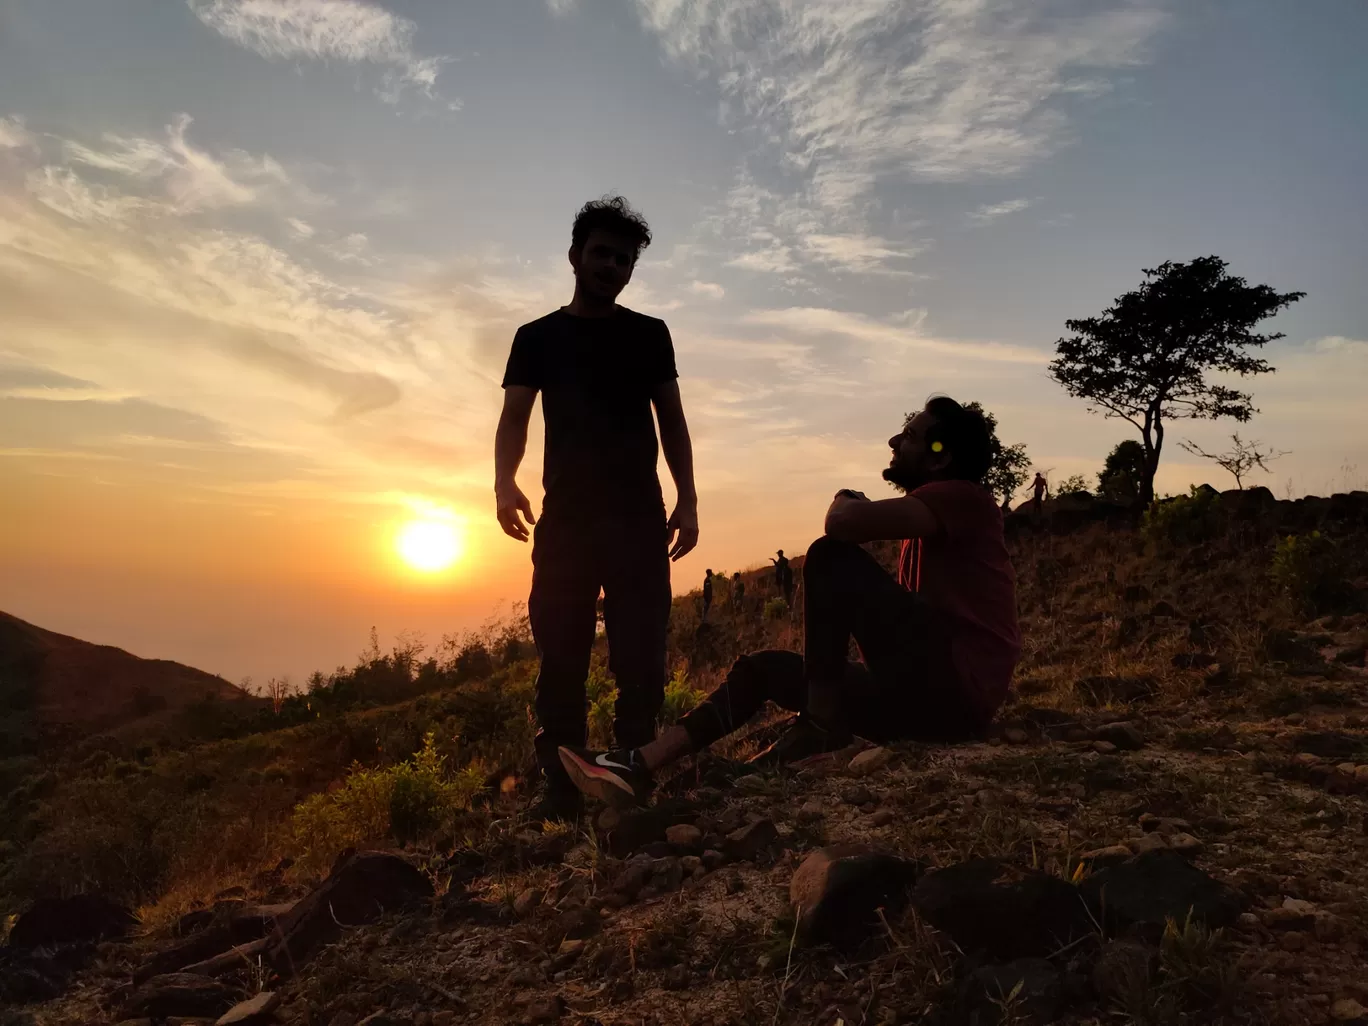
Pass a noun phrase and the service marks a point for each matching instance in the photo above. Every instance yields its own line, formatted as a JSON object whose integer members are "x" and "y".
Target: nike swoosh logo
{"x": 604, "y": 761}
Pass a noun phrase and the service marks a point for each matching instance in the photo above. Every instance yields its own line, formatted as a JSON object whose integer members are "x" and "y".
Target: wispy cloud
{"x": 352, "y": 31}
{"x": 300, "y": 229}
{"x": 842, "y": 96}
{"x": 14, "y": 135}
{"x": 188, "y": 178}
{"x": 561, "y": 8}
{"x": 707, "y": 288}
{"x": 992, "y": 211}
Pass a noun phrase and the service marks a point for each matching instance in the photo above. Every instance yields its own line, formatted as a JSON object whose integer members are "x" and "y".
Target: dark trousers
{"x": 572, "y": 560}
{"x": 905, "y": 687}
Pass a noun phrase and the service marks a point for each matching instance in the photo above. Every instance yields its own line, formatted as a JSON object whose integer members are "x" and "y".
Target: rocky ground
{"x": 1239, "y": 837}
{"x": 1167, "y": 826}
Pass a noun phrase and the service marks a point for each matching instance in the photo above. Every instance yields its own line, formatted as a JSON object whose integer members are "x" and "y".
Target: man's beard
{"x": 904, "y": 478}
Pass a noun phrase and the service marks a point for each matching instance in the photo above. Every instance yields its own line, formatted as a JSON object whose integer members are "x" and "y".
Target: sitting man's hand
{"x": 510, "y": 502}
{"x": 851, "y": 493}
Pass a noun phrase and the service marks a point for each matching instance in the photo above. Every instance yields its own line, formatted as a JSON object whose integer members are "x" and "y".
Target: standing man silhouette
{"x": 707, "y": 593}
{"x": 600, "y": 368}
{"x": 783, "y": 576}
{"x": 1041, "y": 491}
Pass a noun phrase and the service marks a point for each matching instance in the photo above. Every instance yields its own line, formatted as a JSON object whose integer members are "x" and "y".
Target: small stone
{"x": 1147, "y": 842}
{"x": 735, "y": 885}
{"x": 811, "y": 810}
{"x": 544, "y": 1010}
{"x": 251, "y": 1012}
{"x": 527, "y": 902}
{"x": 882, "y": 817}
{"x": 446, "y": 1017}
{"x": 570, "y": 947}
{"x": 1015, "y": 736}
{"x": 1125, "y": 736}
{"x": 1348, "y": 1010}
{"x": 685, "y": 836}
{"x": 750, "y": 840}
{"x": 858, "y": 795}
{"x": 1300, "y": 906}
{"x": 752, "y": 782}
{"x": 871, "y": 760}
{"x": 691, "y": 864}
{"x": 609, "y": 819}
{"x": 1185, "y": 844}
{"x": 1247, "y": 921}
{"x": 1104, "y": 748}
{"x": 1292, "y": 940}
{"x": 1285, "y": 919}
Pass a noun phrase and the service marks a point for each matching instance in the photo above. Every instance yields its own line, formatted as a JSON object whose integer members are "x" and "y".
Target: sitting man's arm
{"x": 860, "y": 520}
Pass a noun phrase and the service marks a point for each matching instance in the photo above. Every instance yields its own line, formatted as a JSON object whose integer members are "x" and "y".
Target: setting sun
{"x": 428, "y": 545}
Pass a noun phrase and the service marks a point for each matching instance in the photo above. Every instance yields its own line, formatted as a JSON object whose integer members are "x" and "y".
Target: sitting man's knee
{"x": 826, "y": 550}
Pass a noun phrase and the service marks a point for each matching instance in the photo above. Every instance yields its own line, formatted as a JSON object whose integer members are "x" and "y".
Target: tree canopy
{"x": 1008, "y": 464}
{"x": 1146, "y": 358}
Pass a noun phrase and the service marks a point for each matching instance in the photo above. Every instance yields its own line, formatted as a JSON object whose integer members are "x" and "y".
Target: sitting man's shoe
{"x": 801, "y": 741}
{"x": 617, "y": 778}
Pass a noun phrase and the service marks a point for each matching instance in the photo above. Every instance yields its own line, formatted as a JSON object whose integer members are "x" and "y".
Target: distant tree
{"x": 277, "y": 689}
{"x": 1145, "y": 358}
{"x": 1076, "y": 484}
{"x": 1122, "y": 473}
{"x": 1009, "y": 465}
{"x": 1240, "y": 459}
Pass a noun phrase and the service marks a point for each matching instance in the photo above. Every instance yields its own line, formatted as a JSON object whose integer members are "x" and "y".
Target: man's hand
{"x": 851, "y": 493}
{"x": 510, "y": 503}
{"x": 682, "y": 530}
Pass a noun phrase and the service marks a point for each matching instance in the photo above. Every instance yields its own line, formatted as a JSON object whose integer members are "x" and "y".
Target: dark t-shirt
{"x": 596, "y": 376}
{"x": 964, "y": 569}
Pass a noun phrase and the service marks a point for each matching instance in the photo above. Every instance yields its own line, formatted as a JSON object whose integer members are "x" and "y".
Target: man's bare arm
{"x": 860, "y": 520}
{"x": 510, "y": 442}
{"x": 678, "y": 449}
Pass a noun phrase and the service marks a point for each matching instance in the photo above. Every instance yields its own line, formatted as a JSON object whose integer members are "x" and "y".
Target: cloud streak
{"x": 349, "y": 31}
{"x": 990, "y": 212}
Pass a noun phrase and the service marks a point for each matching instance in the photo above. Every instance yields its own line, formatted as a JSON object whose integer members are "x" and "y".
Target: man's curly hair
{"x": 611, "y": 214}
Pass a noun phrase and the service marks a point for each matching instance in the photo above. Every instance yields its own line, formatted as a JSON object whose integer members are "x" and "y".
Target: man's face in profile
{"x": 603, "y": 266}
{"x": 912, "y": 464}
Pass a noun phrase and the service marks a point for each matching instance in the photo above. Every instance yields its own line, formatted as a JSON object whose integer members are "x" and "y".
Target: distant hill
{"x": 53, "y": 685}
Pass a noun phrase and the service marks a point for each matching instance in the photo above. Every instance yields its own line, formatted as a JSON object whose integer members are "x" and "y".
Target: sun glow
{"x": 429, "y": 546}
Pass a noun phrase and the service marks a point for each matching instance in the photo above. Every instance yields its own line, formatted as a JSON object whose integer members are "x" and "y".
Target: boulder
{"x": 988, "y": 905}
{"x": 1123, "y": 971}
{"x": 180, "y": 994}
{"x": 360, "y": 889}
{"x": 254, "y": 1011}
{"x": 685, "y": 836}
{"x": 837, "y": 891}
{"x": 1157, "y": 886}
{"x": 871, "y": 760}
{"x": 74, "y": 920}
{"x": 1125, "y": 736}
{"x": 745, "y": 843}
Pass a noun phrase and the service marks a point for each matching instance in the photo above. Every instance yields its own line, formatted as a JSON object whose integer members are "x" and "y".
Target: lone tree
{"x": 1008, "y": 464}
{"x": 1119, "y": 481}
{"x": 1146, "y": 358}
{"x": 1240, "y": 459}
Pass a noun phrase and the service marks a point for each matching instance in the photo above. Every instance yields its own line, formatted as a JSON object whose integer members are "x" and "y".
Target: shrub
{"x": 680, "y": 697}
{"x": 401, "y": 803}
{"x": 1310, "y": 570}
{"x": 776, "y": 609}
{"x": 602, "y": 694}
{"x": 1184, "y": 519}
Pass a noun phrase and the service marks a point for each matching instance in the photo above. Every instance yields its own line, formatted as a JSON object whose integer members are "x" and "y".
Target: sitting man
{"x": 939, "y": 642}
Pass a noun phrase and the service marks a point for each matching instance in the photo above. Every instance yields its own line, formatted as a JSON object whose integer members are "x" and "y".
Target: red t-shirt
{"x": 964, "y": 570}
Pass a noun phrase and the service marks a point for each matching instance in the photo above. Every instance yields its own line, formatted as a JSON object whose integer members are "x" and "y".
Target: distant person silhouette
{"x": 738, "y": 593}
{"x": 1041, "y": 489}
{"x": 707, "y": 592}
{"x": 599, "y": 368}
{"x": 938, "y": 641}
{"x": 783, "y": 576}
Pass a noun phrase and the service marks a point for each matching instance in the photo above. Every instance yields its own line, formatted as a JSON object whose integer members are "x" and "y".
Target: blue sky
{"x": 261, "y": 260}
